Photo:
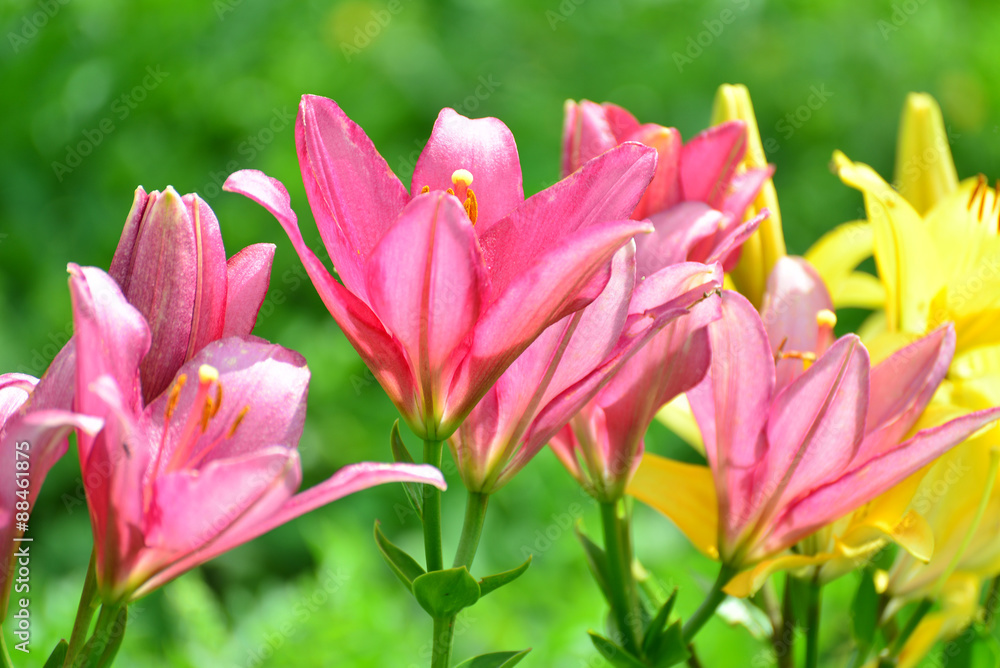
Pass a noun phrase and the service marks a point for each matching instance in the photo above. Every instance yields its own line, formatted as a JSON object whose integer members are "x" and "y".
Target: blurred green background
{"x": 99, "y": 96}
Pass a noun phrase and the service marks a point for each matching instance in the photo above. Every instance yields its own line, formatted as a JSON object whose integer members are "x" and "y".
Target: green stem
{"x": 711, "y": 602}
{"x": 444, "y": 634}
{"x": 621, "y": 586}
{"x": 812, "y": 623}
{"x": 472, "y": 529}
{"x": 108, "y": 633}
{"x": 991, "y": 603}
{"x": 84, "y": 612}
{"x": 4, "y": 655}
{"x": 782, "y": 624}
{"x": 911, "y": 626}
{"x": 432, "y": 510}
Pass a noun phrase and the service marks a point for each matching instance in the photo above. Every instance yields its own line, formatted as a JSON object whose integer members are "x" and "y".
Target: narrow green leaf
{"x": 414, "y": 491}
{"x": 864, "y": 611}
{"x": 444, "y": 593}
{"x": 659, "y": 622}
{"x": 596, "y": 559}
{"x": 618, "y": 656}
{"x": 669, "y": 648}
{"x": 495, "y": 660}
{"x": 974, "y": 648}
{"x": 403, "y": 565}
{"x": 58, "y": 655}
{"x": 494, "y": 582}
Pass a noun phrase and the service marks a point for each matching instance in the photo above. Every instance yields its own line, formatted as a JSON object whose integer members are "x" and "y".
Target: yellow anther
{"x": 175, "y": 394}
{"x": 425, "y": 190}
{"x": 207, "y": 373}
{"x": 462, "y": 177}
{"x": 471, "y": 206}
{"x": 218, "y": 400}
{"x": 236, "y": 423}
{"x": 826, "y": 318}
{"x": 207, "y": 411}
{"x": 450, "y": 191}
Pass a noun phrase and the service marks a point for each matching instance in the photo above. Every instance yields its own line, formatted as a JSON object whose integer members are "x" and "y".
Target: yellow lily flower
{"x": 767, "y": 244}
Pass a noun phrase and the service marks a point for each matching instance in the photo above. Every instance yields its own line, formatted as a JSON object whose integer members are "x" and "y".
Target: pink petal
{"x": 677, "y": 232}
{"x": 427, "y": 283}
{"x": 485, "y": 148}
{"x": 209, "y": 314}
{"x": 863, "y": 483}
{"x": 122, "y": 262}
{"x": 562, "y": 281}
{"x": 191, "y": 508}
{"x": 795, "y": 294}
{"x": 638, "y": 334}
{"x": 248, "y": 274}
{"x": 621, "y": 121}
{"x": 263, "y": 391}
{"x": 110, "y": 337}
{"x": 375, "y": 346}
{"x": 675, "y": 359}
{"x": 815, "y": 425}
{"x": 709, "y": 161}
{"x": 586, "y": 134}
{"x": 665, "y": 189}
{"x": 607, "y": 188}
{"x": 163, "y": 285}
{"x": 725, "y": 247}
{"x": 346, "y": 481}
{"x": 731, "y": 406}
{"x": 743, "y": 190}
{"x": 354, "y": 195}
{"x": 902, "y": 386}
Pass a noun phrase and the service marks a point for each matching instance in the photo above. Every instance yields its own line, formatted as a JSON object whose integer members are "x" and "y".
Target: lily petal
{"x": 485, "y": 148}
{"x": 353, "y": 193}
{"x": 427, "y": 282}
{"x": 362, "y": 328}
{"x": 586, "y": 134}
{"x": 709, "y": 161}
{"x": 248, "y": 275}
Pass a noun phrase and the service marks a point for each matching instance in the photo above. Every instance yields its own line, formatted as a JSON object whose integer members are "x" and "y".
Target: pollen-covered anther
{"x": 236, "y": 423}
{"x": 175, "y": 395}
{"x": 471, "y": 206}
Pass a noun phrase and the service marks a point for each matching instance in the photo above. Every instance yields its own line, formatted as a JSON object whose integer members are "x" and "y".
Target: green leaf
{"x": 58, "y": 655}
{"x": 616, "y": 655}
{"x": 659, "y": 622}
{"x": 864, "y": 611}
{"x": 445, "y": 593}
{"x": 669, "y": 648}
{"x": 494, "y": 582}
{"x": 403, "y": 565}
{"x": 414, "y": 491}
{"x": 974, "y": 648}
{"x": 495, "y": 660}
{"x": 596, "y": 559}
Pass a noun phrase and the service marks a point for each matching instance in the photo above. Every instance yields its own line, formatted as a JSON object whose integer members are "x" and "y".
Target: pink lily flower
{"x": 207, "y": 465}
{"x": 32, "y": 438}
{"x": 603, "y": 443}
{"x": 446, "y": 285}
{"x": 171, "y": 265}
{"x": 696, "y": 200}
{"x": 788, "y": 461}
{"x": 568, "y": 364}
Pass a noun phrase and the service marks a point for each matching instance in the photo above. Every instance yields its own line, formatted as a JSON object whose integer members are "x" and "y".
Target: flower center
{"x": 978, "y": 200}
{"x": 461, "y": 179}
{"x": 204, "y": 408}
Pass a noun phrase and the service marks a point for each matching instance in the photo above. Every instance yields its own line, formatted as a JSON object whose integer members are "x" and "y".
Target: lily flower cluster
{"x": 651, "y": 281}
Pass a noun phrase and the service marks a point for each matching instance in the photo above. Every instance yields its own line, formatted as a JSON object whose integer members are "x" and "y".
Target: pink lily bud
{"x": 171, "y": 265}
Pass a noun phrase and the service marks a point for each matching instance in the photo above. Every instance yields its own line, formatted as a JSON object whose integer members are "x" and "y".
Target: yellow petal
{"x": 838, "y": 252}
{"x": 906, "y": 258}
{"x": 925, "y": 171}
{"x": 859, "y": 290}
{"x": 678, "y": 418}
{"x": 683, "y": 492}
{"x": 959, "y": 602}
{"x": 767, "y": 245}
{"x": 748, "y": 582}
